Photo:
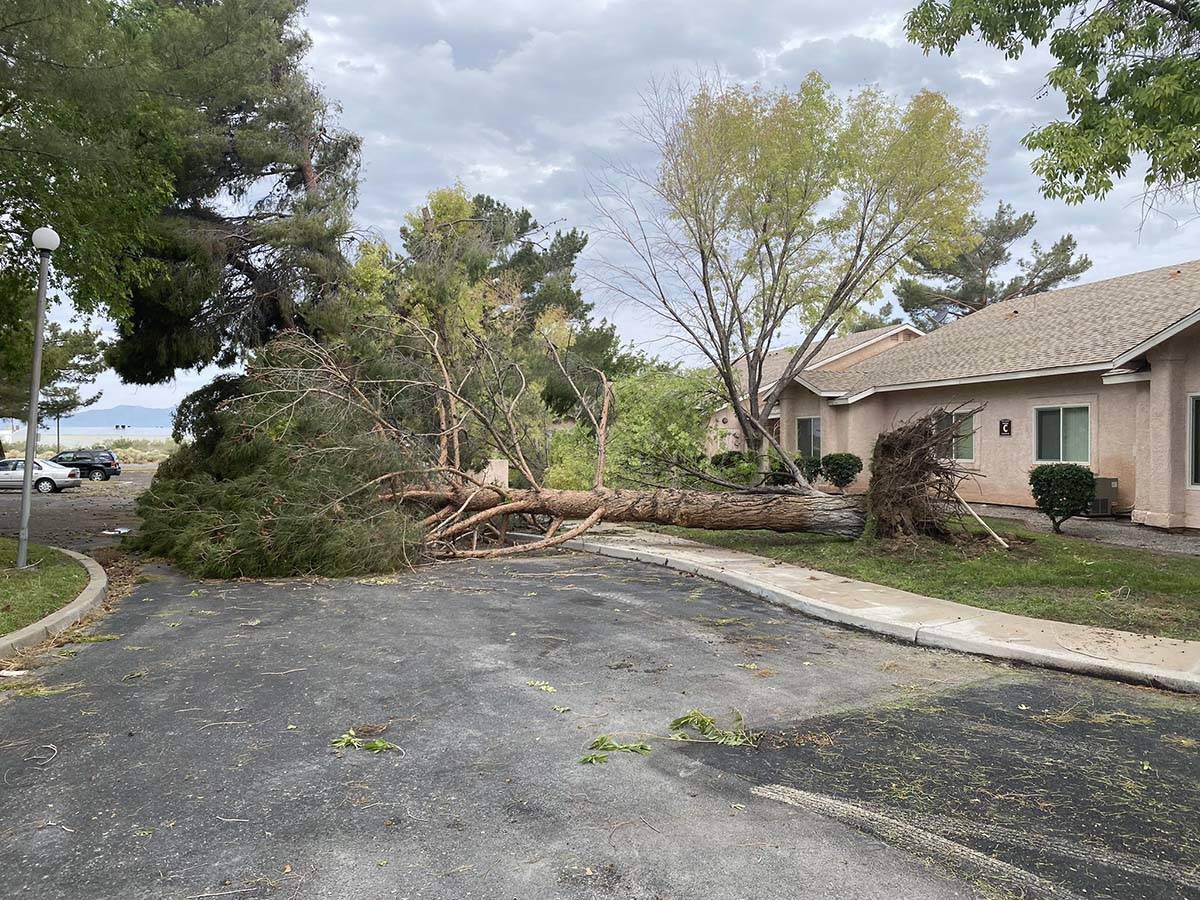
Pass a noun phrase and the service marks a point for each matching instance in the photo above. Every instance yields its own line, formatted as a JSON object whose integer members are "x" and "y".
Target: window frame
{"x": 1193, "y": 436}
{"x": 817, "y": 419}
{"x": 1061, "y": 418}
{"x": 974, "y": 434}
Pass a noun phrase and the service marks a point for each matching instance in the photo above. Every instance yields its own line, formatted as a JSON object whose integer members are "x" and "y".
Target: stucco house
{"x": 1105, "y": 374}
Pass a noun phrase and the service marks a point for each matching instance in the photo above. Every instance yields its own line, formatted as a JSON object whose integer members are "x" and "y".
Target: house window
{"x": 808, "y": 436}
{"x": 964, "y": 434}
{"x": 1194, "y": 431}
{"x": 1063, "y": 434}
{"x": 773, "y": 423}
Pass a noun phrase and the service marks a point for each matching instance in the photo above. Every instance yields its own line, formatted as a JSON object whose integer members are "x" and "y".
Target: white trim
{"x": 903, "y": 326}
{"x": 1126, "y": 377}
{"x": 1153, "y": 341}
{"x": 1060, "y": 407}
{"x": 813, "y": 389}
{"x": 1192, "y": 482}
{"x": 970, "y": 379}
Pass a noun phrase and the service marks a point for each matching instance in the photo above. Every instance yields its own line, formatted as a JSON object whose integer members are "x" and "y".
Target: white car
{"x": 48, "y": 477}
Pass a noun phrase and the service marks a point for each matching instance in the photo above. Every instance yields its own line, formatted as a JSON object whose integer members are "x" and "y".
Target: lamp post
{"x": 45, "y": 241}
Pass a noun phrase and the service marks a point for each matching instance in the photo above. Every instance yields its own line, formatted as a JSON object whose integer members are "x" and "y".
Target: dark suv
{"x": 98, "y": 465}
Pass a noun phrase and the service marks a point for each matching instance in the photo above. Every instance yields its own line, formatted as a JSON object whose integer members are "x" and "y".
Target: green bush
{"x": 728, "y": 459}
{"x": 1062, "y": 490}
{"x": 840, "y": 469}
{"x": 810, "y": 467}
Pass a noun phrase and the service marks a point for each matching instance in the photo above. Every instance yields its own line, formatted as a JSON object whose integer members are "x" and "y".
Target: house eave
{"x": 903, "y": 326}
{"x": 1125, "y": 377}
{"x": 1154, "y": 340}
{"x": 848, "y": 399}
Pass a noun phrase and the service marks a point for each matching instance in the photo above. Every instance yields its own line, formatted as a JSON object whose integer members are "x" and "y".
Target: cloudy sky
{"x": 524, "y": 99}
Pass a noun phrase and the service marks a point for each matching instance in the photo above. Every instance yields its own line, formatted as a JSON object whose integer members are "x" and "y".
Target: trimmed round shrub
{"x": 840, "y": 469}
{"x": 1062, "y": 491}
{"x": 810, "y": 467}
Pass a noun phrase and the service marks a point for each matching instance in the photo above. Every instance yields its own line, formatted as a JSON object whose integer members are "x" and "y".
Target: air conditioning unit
{"x": 1105, "y": 499}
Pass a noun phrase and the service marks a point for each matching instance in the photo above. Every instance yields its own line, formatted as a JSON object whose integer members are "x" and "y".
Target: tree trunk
{"x": 815, "y": 512}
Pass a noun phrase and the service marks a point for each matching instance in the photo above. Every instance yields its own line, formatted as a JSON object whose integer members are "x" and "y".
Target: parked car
{"x": 48, "y": 477}
{"x": 98, "y": 465}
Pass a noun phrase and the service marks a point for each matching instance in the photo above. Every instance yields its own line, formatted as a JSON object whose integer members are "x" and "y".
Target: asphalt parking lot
{"x": 189, "y": 753}
{"x": 77, "y": 518}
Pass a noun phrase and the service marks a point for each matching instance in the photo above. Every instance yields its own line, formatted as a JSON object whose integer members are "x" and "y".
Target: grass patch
{"x": 28, "y": 595}
{"x": 1046, "y": 576}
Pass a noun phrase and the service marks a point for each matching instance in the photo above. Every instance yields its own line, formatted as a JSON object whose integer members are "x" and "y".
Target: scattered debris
{"x": 562, "y": 709}
{"x": 41, "y": 761}
{"x": 543, "y": 686}
{"x": 136, "y": 673}
{"x": 116, "y": 531}
{"x": 94, "y": 638}
{"x": 607, "y": 744}
{"x": 354, "y": 742}
{"x": 594, "y": 759}
{"x": 706, "y": 726}
{"x": 33, "y": 689}
{"x": 14, "y": 673}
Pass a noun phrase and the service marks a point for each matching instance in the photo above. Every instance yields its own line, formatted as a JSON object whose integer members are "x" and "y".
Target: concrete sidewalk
{"x": 1160, "y": 662}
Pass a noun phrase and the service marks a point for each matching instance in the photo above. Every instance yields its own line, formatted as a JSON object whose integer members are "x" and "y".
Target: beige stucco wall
{"x": 1139, "y": 431}
{"x": 1166, "y": 498}
{"x": 1003, "y": 463}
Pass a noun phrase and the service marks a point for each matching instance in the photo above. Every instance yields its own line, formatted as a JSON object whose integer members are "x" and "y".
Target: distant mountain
{"x": 133, "y": 416}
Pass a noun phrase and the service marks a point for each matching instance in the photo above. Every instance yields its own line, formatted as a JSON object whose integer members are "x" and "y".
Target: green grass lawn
{"x": 27, "y": 596}
{"x": 1046, "y": 576}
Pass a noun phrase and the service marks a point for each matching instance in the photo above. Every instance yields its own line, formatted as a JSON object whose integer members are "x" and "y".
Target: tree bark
{"x": 812, "y": 512}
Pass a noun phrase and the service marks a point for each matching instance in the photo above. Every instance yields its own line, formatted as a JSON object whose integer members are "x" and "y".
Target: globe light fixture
{"x": 45, "y": 239}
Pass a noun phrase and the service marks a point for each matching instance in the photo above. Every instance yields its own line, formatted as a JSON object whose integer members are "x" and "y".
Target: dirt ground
{"x": 78, "y": 517}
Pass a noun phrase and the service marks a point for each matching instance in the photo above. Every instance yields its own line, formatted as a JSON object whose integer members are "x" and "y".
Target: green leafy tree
{"x": 543, "y": 266}
{"x": 1129, "y": 71}
{"x": 971, "y": 279}
{"x": 71, "y": 359}
{"x": 195, "y": 173}
{"x": 773, "y": 210}
{"x": 659, "y": 415}
{"x": 878, "y": 318}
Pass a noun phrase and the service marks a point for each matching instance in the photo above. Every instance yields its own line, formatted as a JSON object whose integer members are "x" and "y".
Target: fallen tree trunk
{"x": 815, "y": 512}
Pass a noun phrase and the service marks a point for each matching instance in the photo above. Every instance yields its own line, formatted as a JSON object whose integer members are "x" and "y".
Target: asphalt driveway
{"x": 191, "y": 757}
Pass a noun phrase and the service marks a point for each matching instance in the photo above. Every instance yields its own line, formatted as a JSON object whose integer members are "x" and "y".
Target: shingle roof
{"x": 776, "y": 361}
{"x": 1088, "y": 324}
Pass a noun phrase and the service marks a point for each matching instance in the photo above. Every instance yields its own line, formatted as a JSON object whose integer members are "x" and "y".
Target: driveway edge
{"x": 925, "y": 621}
{"x": 63, "y": 618}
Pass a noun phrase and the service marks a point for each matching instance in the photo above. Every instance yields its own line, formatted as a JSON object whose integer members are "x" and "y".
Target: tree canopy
{"x": 197, "y": 178}
{"x": 1129, "y": 71}
{"x": 942, "y": 290}
{"x": 769, "y": 210}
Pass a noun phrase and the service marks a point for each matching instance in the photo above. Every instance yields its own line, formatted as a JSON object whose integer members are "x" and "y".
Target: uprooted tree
{"x": 356, "y": 444}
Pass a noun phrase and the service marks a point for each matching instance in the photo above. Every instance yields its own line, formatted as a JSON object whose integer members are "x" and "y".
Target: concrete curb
{"x": 1170, "y": 664}
{"x": 61, "y": 619}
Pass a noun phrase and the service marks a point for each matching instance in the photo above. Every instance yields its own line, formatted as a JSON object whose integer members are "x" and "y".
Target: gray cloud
{"x": 523, "y": 99}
